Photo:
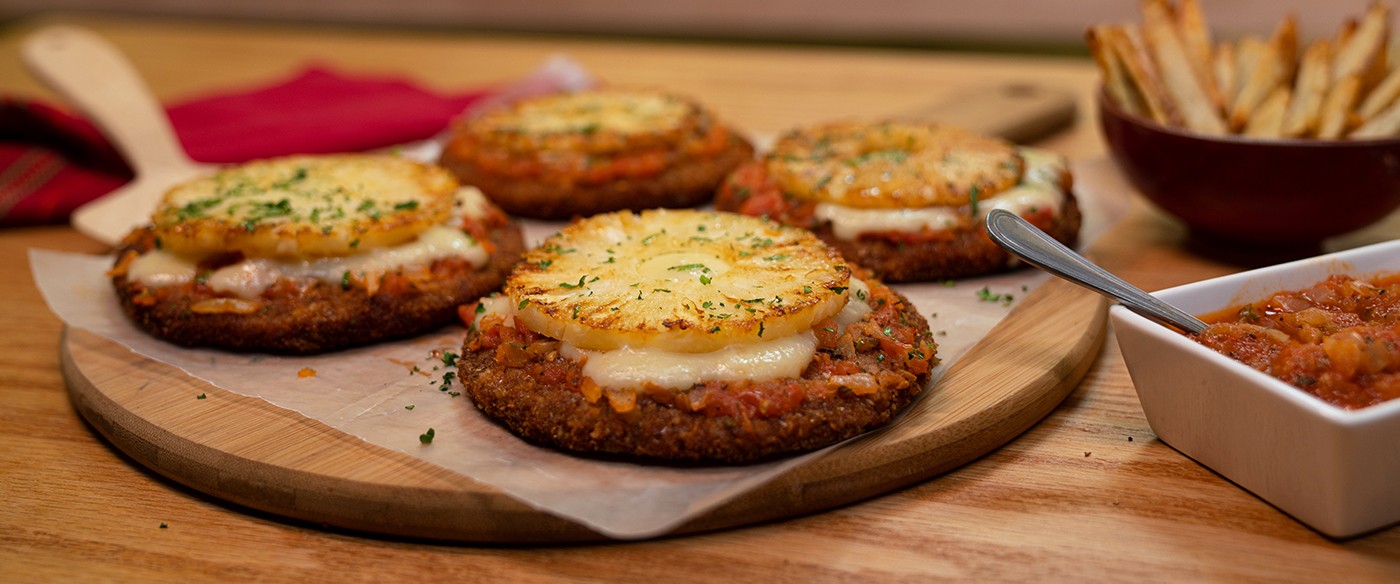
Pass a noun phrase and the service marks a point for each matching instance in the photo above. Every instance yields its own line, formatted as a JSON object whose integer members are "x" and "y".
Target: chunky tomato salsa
{"x": 1338, "y": 340}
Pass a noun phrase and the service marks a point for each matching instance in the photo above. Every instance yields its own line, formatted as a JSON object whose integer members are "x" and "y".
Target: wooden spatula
{"x": 89, "y": 72}
{"x": 1019, "y": 112}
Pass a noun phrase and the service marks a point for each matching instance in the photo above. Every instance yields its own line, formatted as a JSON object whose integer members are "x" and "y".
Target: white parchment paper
{"x": 391, "y": 393}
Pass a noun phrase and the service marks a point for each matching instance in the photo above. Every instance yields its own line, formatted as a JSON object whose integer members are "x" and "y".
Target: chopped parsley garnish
{"x": 296, "y": 177}
{"x": 427, "y": 437}
{"x": 406, "y": 206}
{"x": 446, "y": 382}
{"x": 580, "y": 283}
{"x": 986, "y": 295}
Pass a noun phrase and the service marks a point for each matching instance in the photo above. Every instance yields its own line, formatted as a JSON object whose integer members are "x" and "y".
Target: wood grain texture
{"x": 253, "y": 453}
{"x": 1088, "y": 493}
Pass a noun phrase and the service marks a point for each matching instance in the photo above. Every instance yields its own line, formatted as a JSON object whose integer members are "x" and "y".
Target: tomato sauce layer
{"x": 1338, "y": 340}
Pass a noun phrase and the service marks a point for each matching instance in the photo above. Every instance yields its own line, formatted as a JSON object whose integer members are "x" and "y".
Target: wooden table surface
{"x": 1090, "y": 492}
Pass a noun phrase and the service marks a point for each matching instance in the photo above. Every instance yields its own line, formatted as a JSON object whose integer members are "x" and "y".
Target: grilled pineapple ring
{"x": 677, "y": 280}
{"x": 305, "y": 206}
{"x": 600, "y": 121}
{"x": 894, "y": 165}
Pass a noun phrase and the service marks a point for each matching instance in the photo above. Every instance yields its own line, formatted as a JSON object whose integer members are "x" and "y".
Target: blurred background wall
{"x": 1007, "y": 24}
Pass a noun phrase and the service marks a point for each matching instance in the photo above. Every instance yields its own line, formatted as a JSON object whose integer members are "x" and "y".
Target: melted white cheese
{"x": 628, "y": 367}
{"x": 770, "y": 359}
{"x": 158, "y": 268}
{"x": 1039, "y": 189}
{"x": 470, "y": 202}
{"x": 249, "y": 278}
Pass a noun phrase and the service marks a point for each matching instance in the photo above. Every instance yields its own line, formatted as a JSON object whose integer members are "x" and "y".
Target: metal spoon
{"x": 1023, "y": 240}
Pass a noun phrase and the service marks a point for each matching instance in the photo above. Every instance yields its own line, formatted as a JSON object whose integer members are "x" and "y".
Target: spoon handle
{"x": 1021, "y": 239}
{"x": 94, "y": 76}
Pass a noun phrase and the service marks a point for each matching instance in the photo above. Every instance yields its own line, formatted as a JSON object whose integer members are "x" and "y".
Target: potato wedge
{"x": 1196, "y": 38}
{"x": 1127, "y": 44}
{"x": 1249, "y": 51}
{"x": 1226, "y": 72}
{"x": 1364, "y": 50}
{"x": 1384, "y": 124}
{"x": 1273, "y": 68}
{"x": 1116, "y": 82}
{"x": 1183, "y": 85}
{"x": 1381, "y": 96}
{"x": 1267, "y": 120}
{"x": 1336, "y": 107}
{"x": 1309, "y": 89}
{"x": 1345, "y": 32}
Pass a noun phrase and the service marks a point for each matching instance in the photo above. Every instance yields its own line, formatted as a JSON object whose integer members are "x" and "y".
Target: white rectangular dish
{"x": 1335, "y": 470}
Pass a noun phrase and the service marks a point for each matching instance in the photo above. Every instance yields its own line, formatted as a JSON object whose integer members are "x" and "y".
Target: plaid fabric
{"x": 52, "y": 162}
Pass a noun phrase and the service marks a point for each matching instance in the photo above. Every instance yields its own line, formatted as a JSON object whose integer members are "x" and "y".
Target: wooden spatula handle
{"x": 94, "y": 76}
{"x": 1020, "y": 113}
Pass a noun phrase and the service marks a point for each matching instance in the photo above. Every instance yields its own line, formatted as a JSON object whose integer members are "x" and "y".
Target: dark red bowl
{"x": 1255, "y": 192}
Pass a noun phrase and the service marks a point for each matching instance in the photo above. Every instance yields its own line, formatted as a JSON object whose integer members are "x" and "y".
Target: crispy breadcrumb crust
{"x": 858, "y": 381}
{"x": 306, "y": 317}
{"x": 582, "y": 173}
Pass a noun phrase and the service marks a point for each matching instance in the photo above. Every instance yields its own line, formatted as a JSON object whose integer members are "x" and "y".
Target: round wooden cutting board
{"x": 252, "y": 453}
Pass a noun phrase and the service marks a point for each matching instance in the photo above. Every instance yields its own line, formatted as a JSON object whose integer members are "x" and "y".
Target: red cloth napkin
{"x": 52, "y": 162}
